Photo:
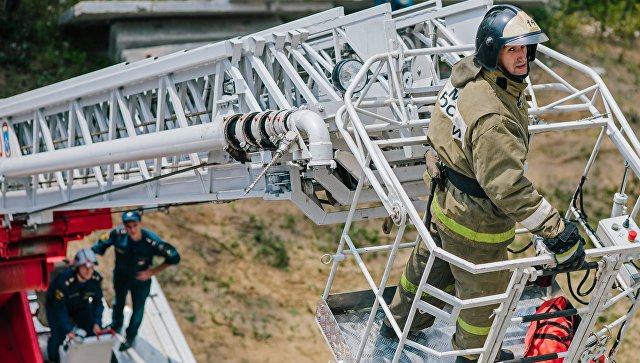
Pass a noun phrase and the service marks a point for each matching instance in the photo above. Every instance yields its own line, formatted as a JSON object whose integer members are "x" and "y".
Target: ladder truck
{"x": 330, "y": 113}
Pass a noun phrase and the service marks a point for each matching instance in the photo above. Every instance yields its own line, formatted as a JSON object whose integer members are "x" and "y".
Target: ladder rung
{"x": 405, "y": 141}
{"x": 438, "y": 313}
{"x": 432, "y": 90}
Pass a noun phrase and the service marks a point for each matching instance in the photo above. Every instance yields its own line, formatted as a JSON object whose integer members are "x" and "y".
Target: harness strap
{"x": 465, "y": 184}
{"x": 556, "y": 338}
{"x": 427, "y": 221}
{"x": 567, "y": 329}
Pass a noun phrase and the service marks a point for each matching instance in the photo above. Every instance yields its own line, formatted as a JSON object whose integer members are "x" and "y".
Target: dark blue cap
{"x": 131, "y": 216}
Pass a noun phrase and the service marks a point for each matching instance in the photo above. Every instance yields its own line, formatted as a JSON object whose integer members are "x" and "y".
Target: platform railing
{"x": 367, "y": 152}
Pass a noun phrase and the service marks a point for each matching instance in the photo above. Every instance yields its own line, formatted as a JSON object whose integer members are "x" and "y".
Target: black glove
{"x": 568, "y": 247}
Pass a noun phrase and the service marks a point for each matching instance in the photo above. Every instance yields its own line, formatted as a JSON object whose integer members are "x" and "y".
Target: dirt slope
{"x": 231, "y": 303}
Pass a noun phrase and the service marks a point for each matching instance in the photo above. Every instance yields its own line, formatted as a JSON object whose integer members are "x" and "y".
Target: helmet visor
{"x": 528, "y": 39}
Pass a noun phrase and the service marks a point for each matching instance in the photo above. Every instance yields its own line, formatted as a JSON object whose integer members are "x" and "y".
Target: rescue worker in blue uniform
{"x": 74, "y": 299}
{"x": 134, "y": 248}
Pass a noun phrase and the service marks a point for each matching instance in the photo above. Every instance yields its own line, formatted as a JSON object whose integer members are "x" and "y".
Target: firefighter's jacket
{"x": 67, "y": 297}
{"x": 479, "y": 128}
{"x": 134, "y": 256}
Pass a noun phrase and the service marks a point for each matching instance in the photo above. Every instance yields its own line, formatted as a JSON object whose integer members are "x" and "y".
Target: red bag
{"x": 551, "y": 335}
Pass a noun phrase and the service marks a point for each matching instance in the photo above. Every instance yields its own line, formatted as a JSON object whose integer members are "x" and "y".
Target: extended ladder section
{"x": 201, "y": 125}
{"x": 329, "y": 112}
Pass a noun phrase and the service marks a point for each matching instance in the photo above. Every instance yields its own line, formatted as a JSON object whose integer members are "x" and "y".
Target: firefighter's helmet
{"x": 505, "y": 25}
{"x": 85, "y": 257}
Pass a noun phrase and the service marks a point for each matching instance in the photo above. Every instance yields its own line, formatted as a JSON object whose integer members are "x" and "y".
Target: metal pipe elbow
{"x": 314, "y": 127}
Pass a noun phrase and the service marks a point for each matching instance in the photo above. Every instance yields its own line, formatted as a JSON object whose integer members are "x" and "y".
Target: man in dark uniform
{"x": 74, "y": 297}
{"x": 134, "y": 249}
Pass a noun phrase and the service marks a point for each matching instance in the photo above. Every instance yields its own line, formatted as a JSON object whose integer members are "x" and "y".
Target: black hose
{"x": 582, "y": 294}
{"x": 427, "y": 221}
{"x": 557, "y": 271}
{"x": 584, "y": 214}
{"x": 584, "y": 279}
{"x": 522, "y": 249}
{"x": 618, "y": 336}
{"x": 578, "y": 194}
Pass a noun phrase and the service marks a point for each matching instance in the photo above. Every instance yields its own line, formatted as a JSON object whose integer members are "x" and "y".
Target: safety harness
{"x": 462, "y": 182}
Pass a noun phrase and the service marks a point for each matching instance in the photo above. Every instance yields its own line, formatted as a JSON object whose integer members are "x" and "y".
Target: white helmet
{"x": 85, "y": 257}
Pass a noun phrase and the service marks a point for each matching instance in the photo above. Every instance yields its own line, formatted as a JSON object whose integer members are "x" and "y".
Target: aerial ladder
{"x": 330, "y": 113}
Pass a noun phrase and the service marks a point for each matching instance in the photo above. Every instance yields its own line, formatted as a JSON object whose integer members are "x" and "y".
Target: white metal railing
{"x": 367, "y": 151}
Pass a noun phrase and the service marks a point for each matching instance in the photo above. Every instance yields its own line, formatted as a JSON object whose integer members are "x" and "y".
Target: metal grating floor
{"x": 437, "y": 337}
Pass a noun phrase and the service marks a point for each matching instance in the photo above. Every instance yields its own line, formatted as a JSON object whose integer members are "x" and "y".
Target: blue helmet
{"x": 131, "y": 216}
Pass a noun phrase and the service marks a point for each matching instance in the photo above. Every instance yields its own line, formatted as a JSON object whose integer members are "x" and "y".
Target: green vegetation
{"x": 567, "y": 19}
{"x": 602, "y": 33}
{"x": 270, "y": 246}
{"x": 35, "y": 52}
{"x": 363, "y": 236}
{"x": 614, "y": 17}
{"x": 191, "y": 318}
{"x": 289, "y": 222}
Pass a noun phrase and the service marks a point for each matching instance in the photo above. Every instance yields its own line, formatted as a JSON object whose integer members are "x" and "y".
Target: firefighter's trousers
{"x": 472, "y": 325}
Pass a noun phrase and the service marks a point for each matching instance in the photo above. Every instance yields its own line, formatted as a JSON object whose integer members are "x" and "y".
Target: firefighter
{"x": 479, "y": 139}
{"x": 134, "y": 248}
{"x": 74, "y": 297}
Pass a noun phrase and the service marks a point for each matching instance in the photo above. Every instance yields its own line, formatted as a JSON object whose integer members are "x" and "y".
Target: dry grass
{"x": 232, "y": 305}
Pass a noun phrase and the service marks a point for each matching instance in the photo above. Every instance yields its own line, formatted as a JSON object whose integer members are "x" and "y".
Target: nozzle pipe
{"x": 252, "y": 132}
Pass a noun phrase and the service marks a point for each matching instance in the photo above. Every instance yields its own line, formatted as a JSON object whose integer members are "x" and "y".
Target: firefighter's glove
{"x": 567, "y": 247}
{"x": 433, "y": 169}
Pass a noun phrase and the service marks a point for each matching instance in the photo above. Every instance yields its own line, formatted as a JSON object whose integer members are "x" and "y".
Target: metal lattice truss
{"x": 111, "y": 130}
{"x": 71, "y": 145}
